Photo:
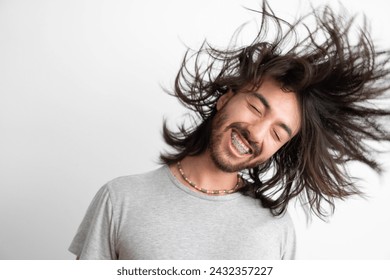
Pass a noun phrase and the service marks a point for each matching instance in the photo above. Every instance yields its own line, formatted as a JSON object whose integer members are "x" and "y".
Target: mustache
{"x": 247, "y": 136}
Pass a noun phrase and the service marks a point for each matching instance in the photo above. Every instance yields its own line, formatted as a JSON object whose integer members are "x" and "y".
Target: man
{"x": 278, "y": 119}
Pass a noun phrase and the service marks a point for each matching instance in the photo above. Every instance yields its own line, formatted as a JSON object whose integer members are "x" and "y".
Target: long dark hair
{"x": 337, "y": 77}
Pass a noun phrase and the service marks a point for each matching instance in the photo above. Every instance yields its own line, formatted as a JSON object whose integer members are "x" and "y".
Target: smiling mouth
{"x": 240, "y": 146}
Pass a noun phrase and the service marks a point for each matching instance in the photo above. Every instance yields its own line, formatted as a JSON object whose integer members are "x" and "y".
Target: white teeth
{"x": 239, "y": 145}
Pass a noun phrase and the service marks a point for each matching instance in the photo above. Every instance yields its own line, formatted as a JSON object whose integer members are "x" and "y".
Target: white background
{"x": 81, "y": 103}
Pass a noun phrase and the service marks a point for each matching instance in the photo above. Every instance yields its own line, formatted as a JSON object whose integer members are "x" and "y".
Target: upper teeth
{"x": 239, "y": 145}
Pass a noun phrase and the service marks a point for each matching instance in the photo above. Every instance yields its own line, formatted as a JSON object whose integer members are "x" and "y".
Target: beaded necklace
{"x": 213, "y": 192}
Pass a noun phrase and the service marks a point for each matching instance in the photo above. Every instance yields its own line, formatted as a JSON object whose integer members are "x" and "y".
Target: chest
{"x": 184, "y": 231}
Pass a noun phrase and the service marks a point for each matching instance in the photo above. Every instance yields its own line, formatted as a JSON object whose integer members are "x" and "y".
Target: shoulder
{"x": 282, "y": 223}
{"x": 285, "y": 222}
{"x": 136, "y": 185}
{"x": 122, "y": 183}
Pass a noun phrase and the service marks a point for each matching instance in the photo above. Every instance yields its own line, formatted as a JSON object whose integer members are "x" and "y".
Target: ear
{"x": 224, "y": 99}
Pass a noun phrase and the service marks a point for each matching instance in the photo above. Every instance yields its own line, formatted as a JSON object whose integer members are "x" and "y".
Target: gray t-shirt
{"x": 154, "y": 216}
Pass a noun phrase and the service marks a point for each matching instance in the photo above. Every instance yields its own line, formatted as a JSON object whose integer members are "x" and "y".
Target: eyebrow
{"x": 264, "y": 101}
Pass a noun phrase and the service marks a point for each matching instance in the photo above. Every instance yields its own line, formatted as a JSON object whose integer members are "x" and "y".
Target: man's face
{"x": 250, "y": 127}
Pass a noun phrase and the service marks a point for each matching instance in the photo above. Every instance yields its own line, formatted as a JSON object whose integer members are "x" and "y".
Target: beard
{"x": 223, "y": 159}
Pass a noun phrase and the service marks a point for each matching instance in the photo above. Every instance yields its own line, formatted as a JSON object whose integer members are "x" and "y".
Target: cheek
{"x": 269, "y": 149}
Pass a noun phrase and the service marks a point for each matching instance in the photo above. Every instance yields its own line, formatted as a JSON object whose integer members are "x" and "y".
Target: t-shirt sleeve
{"x": 95, "y": 237}
{"x": 290, "y": 242}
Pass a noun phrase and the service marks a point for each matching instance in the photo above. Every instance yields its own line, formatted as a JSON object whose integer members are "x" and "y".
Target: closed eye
{"x": 277, "y": 136}
{"x": 257, "y": 110}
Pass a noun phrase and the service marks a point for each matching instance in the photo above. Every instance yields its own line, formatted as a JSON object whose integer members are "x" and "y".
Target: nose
{"x": 258, "y": 132}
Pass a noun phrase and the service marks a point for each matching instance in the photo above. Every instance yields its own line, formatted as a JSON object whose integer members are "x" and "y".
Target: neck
{"x": 204, "y": 173}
